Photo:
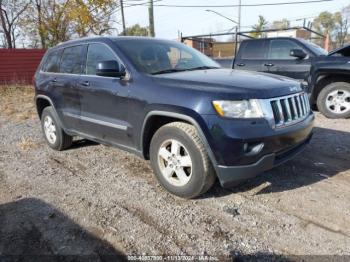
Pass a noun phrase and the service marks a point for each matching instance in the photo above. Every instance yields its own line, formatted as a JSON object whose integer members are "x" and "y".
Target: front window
{"x": 280, "y": 49}
{"x": 97, "y": 53}
{"x": 156, "y": 57}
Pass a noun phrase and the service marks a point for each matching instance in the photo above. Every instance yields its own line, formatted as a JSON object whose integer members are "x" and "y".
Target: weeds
{"x": 26, "y": 144}
{"x": 16, "y": 102}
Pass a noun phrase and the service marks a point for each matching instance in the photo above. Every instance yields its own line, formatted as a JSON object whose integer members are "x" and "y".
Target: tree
{"x": 262, "y": 22}
{"x": 55, "y": 21}
{"x": 324, "y": 23}
{"x": 336, "y": 25}
{"x": 342, "y": 25}
{"x": 136, "y": 30}
{"x": 48, "y": 21}
{"x": 92, "y": 16}
{"x": 280, "y": 24}
{"x": 11, "y": 12}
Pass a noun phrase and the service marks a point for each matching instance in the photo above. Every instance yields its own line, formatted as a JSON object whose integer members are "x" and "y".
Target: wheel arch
{"x": 43, "y": 101}
{"x": 325, "y": 79}
{"x": 164, "y": 117}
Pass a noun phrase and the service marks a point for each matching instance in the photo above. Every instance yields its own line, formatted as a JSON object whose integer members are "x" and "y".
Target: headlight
{"x": 239, "y": 109}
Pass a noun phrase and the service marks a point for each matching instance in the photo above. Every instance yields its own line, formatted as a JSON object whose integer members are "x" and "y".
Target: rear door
{"x": 104, "y": 100}
{"x": 66, "y": 85}
{"x": 281, "y": 63}
{"x": 252, "y": 56}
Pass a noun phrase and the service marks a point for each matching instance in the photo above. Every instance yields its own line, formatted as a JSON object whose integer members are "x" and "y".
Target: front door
{"x": 281, "y": 63}
{"x": 104, "y": 100}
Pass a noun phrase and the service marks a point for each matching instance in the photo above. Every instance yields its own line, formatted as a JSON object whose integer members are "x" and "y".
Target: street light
{"x": 237, "y": 27}
{"x": 208, "y": 10}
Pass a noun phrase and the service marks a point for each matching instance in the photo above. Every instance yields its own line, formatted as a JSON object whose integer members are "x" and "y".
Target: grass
{"x": 16, "y": 102}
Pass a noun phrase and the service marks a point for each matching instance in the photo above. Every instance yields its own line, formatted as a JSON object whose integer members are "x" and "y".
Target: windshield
{"x": 319, "y": 51}
{"x": 157, "y": 57}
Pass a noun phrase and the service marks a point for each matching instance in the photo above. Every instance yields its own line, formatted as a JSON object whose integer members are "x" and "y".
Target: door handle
{"x": 85, "y": 83}
{"x": 241, "y": 64}
{"x": 268, "y": 64}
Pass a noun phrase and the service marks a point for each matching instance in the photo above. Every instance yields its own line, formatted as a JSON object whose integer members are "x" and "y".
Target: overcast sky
{"x": 191, "y": 21}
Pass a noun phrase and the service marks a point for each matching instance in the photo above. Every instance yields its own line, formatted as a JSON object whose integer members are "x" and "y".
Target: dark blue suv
{"x": 171, "y": 104}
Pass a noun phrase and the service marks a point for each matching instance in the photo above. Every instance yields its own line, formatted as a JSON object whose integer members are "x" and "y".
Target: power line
{"x": 141, "y": 4}
{"x": 242, "y": 5}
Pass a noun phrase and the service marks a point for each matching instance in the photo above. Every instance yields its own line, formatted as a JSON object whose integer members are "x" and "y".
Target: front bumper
{"x": 228, "y": 140}
{"x": 231, "y": 175}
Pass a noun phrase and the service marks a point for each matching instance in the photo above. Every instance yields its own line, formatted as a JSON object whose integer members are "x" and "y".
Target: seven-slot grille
{"x": 290, "y": 109}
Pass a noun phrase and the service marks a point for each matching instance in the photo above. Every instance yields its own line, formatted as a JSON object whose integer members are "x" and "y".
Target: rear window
{"x": 72, "y": 60}
{"x": 52, "y": 62}
{"x": 253, "y": 50}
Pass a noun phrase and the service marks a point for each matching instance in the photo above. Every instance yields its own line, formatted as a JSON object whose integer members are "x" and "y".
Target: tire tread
{"x": 191, "y": 131}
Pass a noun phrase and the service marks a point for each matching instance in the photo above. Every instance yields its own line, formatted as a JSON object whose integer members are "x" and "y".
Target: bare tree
{"x": 10, "y": 15}
{"x": 342, "y": 25}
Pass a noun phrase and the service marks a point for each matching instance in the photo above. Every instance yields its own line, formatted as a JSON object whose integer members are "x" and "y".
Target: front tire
{"x": 54, "y": 135}
{"x": 334, "y": 100}
{"x": 180, "y": 161}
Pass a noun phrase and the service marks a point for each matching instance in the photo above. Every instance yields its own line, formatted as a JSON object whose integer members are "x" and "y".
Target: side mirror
{"x": 298, "y": 53}
{"x": 110, "y": 68}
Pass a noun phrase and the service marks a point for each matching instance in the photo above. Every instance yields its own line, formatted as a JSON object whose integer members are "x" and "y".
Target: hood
{"x": 342, "y": 51}
{"x": 243, "y": 84}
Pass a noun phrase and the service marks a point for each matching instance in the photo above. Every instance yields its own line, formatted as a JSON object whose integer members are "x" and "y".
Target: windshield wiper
{"x": 202, "y": 68}
{"x": 166, "y": 71}
{"x": 174, "y": 70}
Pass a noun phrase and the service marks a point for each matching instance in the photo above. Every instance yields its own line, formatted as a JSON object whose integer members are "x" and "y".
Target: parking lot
{"x": 96, "y": 200}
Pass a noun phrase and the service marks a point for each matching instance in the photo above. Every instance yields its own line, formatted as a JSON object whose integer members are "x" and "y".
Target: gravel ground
{"x": 95, "y": 200}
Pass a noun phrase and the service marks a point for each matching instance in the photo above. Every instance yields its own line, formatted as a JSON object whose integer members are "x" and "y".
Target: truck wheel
{"x": 54, "y": 135}
{"x": 180, "y": 161}
{"x": 334, "y": 100}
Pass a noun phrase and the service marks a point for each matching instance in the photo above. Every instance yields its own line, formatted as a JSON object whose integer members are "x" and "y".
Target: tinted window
{"x": 52, "y": 62}
{"x": 254, "y": 50}
{"x": 154, "y": 57}
{"x": 96, "y": 54}
{"x": 280, "y": 49}
{"x": 71, "y": 60}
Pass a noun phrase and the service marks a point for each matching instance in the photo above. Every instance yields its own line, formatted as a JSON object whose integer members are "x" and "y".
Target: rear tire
{"x": 334, "y": 100}
{"x": 180, "y": 161}
{"x": 54, "y": 135}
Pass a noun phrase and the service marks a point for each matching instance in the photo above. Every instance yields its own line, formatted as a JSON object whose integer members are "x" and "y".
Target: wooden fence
{"x": 19, "y": 65}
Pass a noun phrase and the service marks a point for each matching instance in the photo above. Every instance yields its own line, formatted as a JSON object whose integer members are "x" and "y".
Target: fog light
{"x": 252, "y": 149}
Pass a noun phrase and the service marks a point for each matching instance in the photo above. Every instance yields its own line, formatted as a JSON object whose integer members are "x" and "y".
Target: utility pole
{"x": 238, "y": 28}
{"x": 239, "y": 16}
{"x": 151, "y": 19}
{"x": 123, "y": 18}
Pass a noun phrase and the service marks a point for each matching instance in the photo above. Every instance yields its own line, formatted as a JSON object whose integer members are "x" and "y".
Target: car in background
{"x": 325, "y": 76}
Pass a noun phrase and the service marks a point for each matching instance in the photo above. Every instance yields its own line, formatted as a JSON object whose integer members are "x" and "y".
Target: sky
{"x": 193, "y": 21}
